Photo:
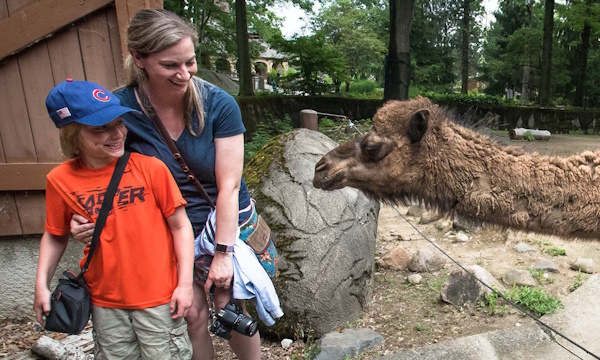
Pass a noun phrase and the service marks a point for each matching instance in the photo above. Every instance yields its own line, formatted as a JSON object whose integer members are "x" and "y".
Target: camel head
{"x": 385, "y": 163}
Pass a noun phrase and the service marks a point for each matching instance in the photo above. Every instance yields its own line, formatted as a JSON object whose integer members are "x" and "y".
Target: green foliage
{"x": 316, "y": 59}
{"x": 534, "y": 300}
{"x": 422, "y": 327}
{"x": 264, "y": 132}
{"x": 310, "y": 350}
{"x": 578, "y": 281}
{"x": 471, "y": 98}
{"x": 363, "y": 87}
{"x": 555, "y": 251}
{"x": 539, "y": 275}
{"x": 527, "y": 135}
{"x": 489, "y": 304}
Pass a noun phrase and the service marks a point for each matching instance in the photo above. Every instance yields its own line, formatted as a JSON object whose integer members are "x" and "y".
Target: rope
{"x": 538, "y": 321}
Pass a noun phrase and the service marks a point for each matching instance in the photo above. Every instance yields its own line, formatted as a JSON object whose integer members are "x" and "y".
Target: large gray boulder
{"x": 326, "y": 240}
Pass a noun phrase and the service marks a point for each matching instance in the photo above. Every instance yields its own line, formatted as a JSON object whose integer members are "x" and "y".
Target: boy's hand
{"x": 41, "y": 305}
{"x": 181, "y": 301}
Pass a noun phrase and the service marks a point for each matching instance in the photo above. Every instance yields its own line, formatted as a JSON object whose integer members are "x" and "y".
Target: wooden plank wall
{"x": 88, "y": 49}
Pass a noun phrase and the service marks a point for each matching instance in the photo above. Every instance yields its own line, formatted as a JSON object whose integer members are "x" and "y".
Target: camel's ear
{"x": 419, "y": 122}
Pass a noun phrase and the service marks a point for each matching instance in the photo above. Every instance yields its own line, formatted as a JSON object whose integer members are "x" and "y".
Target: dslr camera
{"x": 230, "y": 318}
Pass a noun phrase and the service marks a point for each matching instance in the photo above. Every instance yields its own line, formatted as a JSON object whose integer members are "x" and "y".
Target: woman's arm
{"x": 183, "y": 242}
{"x": 52, "y": 248}
{"x": 229, "y": 163}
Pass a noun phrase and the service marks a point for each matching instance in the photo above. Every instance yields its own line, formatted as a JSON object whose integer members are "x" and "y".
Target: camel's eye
{"x": 371, "y": 150}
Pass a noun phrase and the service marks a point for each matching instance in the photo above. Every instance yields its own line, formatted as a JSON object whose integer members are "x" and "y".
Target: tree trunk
{"x": 465, "y": 47}
{"x": 582, "y": 66}
{"x": 243, "y": 63}
{"x": 397, "y": 61}
{"x": 525, "y": 84}
{"x": 547, "y": 53}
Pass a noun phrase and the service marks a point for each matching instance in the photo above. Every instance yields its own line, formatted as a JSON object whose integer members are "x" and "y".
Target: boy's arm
{"x": 183, "y": 242}
{"x": 52, "y": 248}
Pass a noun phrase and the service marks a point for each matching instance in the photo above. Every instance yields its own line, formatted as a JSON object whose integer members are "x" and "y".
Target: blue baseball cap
{"x": 83, "y": 102}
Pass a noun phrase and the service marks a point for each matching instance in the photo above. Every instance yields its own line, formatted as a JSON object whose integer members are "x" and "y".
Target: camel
{"x": 415, "y": 152}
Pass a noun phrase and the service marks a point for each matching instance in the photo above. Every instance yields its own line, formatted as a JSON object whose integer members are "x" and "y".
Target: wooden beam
{"x": 40, "y": 20}
{"x": 126, "y": 9}
{"x": 24, "y": 176}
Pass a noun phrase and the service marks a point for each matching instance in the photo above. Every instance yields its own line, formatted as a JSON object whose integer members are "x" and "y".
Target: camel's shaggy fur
{"x": 414, "y": 151}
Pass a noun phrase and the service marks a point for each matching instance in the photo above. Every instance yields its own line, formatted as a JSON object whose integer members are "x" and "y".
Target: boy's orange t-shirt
{"x": 134, "y": 266}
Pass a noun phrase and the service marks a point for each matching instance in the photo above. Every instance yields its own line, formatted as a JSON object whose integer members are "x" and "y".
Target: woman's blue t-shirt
{"x": 222, "y": 118}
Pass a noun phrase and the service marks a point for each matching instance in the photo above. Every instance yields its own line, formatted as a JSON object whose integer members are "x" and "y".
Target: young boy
{"x": 140, "y": 277}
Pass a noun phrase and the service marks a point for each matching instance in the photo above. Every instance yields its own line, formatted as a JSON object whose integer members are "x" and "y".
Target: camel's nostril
{"x": 320, "y": 166}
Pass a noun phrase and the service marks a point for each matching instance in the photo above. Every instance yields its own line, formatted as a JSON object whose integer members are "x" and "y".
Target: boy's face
{"x": 100, "y": 145}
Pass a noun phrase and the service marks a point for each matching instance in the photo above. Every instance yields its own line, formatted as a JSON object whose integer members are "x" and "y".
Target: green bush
{"x": 363, "y": 87}
{"x": 265, "y": 131}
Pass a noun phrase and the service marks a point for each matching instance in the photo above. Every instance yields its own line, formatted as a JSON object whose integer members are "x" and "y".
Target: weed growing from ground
{"x": 555, "y": 251}
{"x": 578, "y": 281}
{"x": 534, "y": 300}
{"x": 541, "y": 276}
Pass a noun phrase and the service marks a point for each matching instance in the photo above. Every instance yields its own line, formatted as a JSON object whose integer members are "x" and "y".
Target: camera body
{"x": 230, "y": 318}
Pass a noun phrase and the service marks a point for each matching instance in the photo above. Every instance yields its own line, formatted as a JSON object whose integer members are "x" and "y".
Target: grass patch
{"x": 579, "y": 280}
{"x": 489, "y": 304}
{"x": 534, "y": 300}
{"x": 555, "y": 251}
{"x": 539, "y": 275}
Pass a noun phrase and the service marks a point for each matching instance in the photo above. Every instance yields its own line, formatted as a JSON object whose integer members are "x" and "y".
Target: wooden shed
{"x": 43, "y": 42}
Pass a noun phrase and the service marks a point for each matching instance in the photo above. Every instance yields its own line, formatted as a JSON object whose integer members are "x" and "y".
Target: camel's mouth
{"x": 328, "y": 181}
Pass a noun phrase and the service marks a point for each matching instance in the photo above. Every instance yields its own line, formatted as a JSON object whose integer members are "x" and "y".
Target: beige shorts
{"x": 139, "y": 334}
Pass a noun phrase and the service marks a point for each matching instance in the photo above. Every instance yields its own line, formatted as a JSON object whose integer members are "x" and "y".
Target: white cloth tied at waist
{"x": 250, "y": 280}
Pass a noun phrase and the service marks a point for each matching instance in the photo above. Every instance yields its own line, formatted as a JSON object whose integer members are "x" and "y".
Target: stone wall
{"x": 18, "y": 266}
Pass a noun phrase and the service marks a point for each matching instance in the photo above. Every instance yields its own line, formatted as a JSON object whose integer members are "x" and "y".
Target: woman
{"x": 205, "y": 123}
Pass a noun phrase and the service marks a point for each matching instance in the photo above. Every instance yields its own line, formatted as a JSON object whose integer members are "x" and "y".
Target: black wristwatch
{"x": 224, "y": 248}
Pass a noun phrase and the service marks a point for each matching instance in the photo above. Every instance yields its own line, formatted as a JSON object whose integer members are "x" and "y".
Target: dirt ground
{"x": 407, "y": 315}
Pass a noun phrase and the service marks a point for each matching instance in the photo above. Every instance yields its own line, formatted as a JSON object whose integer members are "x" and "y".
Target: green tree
{"x": 316, "y": 60}
{"x": 354, "y": 36}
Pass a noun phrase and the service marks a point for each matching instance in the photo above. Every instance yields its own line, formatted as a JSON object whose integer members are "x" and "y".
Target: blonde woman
{"x": 206, "y": 124}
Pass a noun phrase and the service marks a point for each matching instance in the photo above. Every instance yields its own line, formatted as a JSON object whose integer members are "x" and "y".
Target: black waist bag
{"x": 70, "y": 305}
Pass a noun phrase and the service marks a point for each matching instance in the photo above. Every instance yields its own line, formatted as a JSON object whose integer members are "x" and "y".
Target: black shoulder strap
{"x": 106, "y": 206}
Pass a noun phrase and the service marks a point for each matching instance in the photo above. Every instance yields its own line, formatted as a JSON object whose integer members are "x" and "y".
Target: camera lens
{"x": 246, "y": 325}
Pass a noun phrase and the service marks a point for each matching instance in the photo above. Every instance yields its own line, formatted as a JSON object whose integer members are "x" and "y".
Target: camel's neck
{"x": 478, "y": 178}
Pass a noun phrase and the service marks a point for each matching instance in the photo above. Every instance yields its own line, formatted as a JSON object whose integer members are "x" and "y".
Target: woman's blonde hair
{"x": 69, "y": 140}
{"x": 151, "y": 31}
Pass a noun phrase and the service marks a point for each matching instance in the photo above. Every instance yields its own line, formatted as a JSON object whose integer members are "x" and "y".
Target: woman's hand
{"x": 221, "y": 271}
{"x": 82, "y": 229}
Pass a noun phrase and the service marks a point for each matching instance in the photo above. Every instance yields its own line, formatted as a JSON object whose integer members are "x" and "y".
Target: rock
{"x": 585, "y": 265}
{"x": 461, "y": 237}
{"x": 326, "y": 239}
{"x": 347, "y": 344}
{"x": 415, "y": 211}
{"x": 286, "y": 343}
{"x": 444, "y": 225}
{"x": 464, "y": 224}
{"x": 429, "y": 216}
{"x": 519, "y": 278}
{"x": 545, "y": 265}
{"x": 397, "y": 259}
{"x": 427, "y": 259}
{"x": 464, "y": 289}
{"x": 414, "y": 279}
{"x": 523, "y": 248}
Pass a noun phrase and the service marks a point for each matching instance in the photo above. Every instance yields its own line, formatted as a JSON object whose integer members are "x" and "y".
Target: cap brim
{"x": 105, "y": 115}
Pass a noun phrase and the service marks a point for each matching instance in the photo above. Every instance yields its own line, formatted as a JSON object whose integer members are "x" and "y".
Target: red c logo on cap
{"x": 100, "y": 95}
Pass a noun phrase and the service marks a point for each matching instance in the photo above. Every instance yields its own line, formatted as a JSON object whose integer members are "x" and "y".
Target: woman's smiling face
{"x": 171, "y": 69}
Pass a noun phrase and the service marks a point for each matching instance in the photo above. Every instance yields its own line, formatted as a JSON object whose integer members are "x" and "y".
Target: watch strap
{"x": 224, "y": 248}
